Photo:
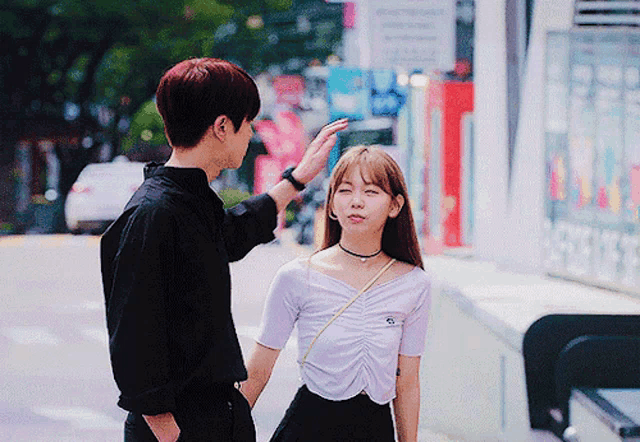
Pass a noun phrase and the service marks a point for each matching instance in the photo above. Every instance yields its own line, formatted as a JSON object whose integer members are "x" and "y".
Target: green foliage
{"x": 290, "y": 216}
{"x": 282, "y": 39}
{"x": 105, "y": 57}
{"x": 257, "y": 5}
{"x": 208, "y": 10}
{"x": 95, "y": 52}
{"x": 146, "y": 126}
{"x": 231, "y": 197}
{"x": 6, "y": 228}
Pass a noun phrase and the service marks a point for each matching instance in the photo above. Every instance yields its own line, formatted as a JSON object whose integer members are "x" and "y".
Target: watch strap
{"x": 288, "y": 175}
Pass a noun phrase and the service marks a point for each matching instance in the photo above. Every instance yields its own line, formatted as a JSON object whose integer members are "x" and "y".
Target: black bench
{"x": 563, "y": 351}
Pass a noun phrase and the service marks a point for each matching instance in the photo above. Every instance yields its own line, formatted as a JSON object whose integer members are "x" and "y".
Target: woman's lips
{"x": 356, "y": 218}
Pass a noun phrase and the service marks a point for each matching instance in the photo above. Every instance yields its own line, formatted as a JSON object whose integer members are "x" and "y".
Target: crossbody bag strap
{"x": 346, "y": 306}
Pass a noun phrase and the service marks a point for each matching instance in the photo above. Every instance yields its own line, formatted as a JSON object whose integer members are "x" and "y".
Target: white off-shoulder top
{"x": 359, "y": 350}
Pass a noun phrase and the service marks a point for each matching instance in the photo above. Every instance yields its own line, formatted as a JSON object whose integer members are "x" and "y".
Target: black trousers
{"x": 221, "y": 415}
{"x": 311, "y": 418}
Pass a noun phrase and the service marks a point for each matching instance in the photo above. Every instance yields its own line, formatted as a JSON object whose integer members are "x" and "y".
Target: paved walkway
{"x": 52, "y": 314}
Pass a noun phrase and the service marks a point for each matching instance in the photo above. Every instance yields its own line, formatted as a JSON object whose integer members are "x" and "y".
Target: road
{"x": 55, "y": 377}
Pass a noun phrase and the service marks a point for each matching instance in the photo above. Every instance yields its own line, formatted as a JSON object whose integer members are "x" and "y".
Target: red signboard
{"x": 289, "y": 89}
{"x": 448, "y": 210}
{"x": 284, "y": 138}
{"x": 267, "y": 173}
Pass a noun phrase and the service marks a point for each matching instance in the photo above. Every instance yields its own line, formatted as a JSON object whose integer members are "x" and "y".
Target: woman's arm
{"x": 406, "y": 405}
{"x": 260, "y": 366}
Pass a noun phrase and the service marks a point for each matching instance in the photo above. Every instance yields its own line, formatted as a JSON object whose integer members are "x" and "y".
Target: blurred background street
{"x": 56, "y": 378}
{"x": 57, "y": 383}
{"x": 516, "y": 124}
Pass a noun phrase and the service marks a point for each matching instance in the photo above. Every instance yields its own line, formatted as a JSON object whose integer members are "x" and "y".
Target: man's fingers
{"x": 330, "y": 130}
{"x": 338, "y": 125}
{"x": 335, "y": 126}
{"x": 327, "y": 143}
{"x": 331, "y": 141}
{"x": 322, "y": 150}
{"x": 340, "y": 122}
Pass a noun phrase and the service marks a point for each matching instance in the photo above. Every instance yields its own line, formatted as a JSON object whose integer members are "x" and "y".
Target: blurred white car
{"x": 100, "y": 193}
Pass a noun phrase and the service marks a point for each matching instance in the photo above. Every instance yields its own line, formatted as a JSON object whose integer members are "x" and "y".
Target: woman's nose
{"x": 356, "y": 200}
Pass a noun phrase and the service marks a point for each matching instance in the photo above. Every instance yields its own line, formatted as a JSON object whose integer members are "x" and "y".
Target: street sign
{"x": 387, "y": 96}
{"x": 348, "y": 93}
{"x": 412, "y": 34}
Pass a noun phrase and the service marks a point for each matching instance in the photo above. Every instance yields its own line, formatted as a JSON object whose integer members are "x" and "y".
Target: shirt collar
{"x": 192, "y": 179}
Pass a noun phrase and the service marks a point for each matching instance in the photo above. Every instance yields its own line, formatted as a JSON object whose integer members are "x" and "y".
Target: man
{"x": 165, "y": 261}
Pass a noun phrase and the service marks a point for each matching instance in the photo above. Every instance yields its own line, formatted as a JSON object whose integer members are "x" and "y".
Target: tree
{"x": 280, "y": 33}
{"x": 85, "y": 66}
{"x": 58, "y": 54}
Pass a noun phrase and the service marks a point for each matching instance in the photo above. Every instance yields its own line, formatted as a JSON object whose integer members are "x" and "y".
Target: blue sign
{"x": 348, "y": 93}
{"x": 387, "y": 96}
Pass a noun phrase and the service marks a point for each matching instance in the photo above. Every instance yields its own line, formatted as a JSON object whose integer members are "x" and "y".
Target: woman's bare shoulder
{"x": 322, "y": 259}
{"x": 400, "y": 268}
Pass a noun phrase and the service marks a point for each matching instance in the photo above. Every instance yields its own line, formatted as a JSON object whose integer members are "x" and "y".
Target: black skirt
{"x": 311, "y": 418}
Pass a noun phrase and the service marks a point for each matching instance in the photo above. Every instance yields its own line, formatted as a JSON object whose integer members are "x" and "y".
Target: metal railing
{"x": 606, "y": 13}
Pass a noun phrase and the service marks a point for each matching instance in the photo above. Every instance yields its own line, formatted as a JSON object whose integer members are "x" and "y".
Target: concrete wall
{"x": 509, "y": 225}
{"x": 490, "y": 127}
{"x": 473, "y": 385}
{"x": 472, "y": 381}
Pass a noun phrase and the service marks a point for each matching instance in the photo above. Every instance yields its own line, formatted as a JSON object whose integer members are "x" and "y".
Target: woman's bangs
{"x": 373, "y": 170}
{"x": 342, "y": 170}
{"x": 372, "y": 164}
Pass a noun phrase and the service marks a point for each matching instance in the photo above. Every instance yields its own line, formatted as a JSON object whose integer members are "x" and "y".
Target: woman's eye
{"x": 372, "y": 192}
{"x": 343, "y": 190}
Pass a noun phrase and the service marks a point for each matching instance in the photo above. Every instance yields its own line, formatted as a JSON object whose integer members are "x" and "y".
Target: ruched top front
{"x": 359, "y": 350}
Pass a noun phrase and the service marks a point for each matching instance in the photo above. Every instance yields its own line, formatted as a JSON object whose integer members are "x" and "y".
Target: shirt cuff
{"x": 267, "y": 213}
{"x": 152, "y": 402}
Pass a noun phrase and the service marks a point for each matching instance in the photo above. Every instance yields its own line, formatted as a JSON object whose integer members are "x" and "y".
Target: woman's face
{"x": 362, "y": 207}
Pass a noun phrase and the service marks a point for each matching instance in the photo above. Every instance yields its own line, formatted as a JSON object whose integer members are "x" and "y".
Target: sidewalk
{"x": 287, "y": 239}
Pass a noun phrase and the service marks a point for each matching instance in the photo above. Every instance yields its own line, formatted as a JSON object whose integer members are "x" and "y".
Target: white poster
{"x": 412, "y": 34}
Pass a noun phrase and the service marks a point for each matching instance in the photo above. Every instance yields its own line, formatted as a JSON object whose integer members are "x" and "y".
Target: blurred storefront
{"x": 592, "y": 129}
{"x": 46, "y": 161}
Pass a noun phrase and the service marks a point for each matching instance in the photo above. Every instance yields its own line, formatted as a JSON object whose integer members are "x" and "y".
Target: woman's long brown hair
{"x": 399, "y": 238}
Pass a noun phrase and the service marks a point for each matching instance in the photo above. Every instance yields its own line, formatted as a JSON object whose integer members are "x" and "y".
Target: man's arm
{"x": 313, "y": 161}
{"x": 253, "y": 221}
{"x": 260, "y": 367}
{"x": 140, "y": 270}
{"x": 406, "y": 405}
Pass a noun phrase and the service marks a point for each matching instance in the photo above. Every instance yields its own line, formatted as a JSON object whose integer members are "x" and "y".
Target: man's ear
{"x": 397, "y": 204}
{"x": 221, "y": 127}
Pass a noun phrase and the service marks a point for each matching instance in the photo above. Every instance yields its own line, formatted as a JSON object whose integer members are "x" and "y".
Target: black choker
{"x": 363, "y": 258}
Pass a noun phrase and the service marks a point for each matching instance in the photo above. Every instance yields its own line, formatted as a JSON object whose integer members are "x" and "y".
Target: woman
{"x": 369, "y": 356}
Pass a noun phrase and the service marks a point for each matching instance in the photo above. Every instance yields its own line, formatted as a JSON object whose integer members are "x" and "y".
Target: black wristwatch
{"x": 288, "y": 175}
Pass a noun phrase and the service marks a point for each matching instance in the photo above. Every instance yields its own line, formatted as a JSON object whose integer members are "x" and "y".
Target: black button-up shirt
{"x": 165, "y": 271}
